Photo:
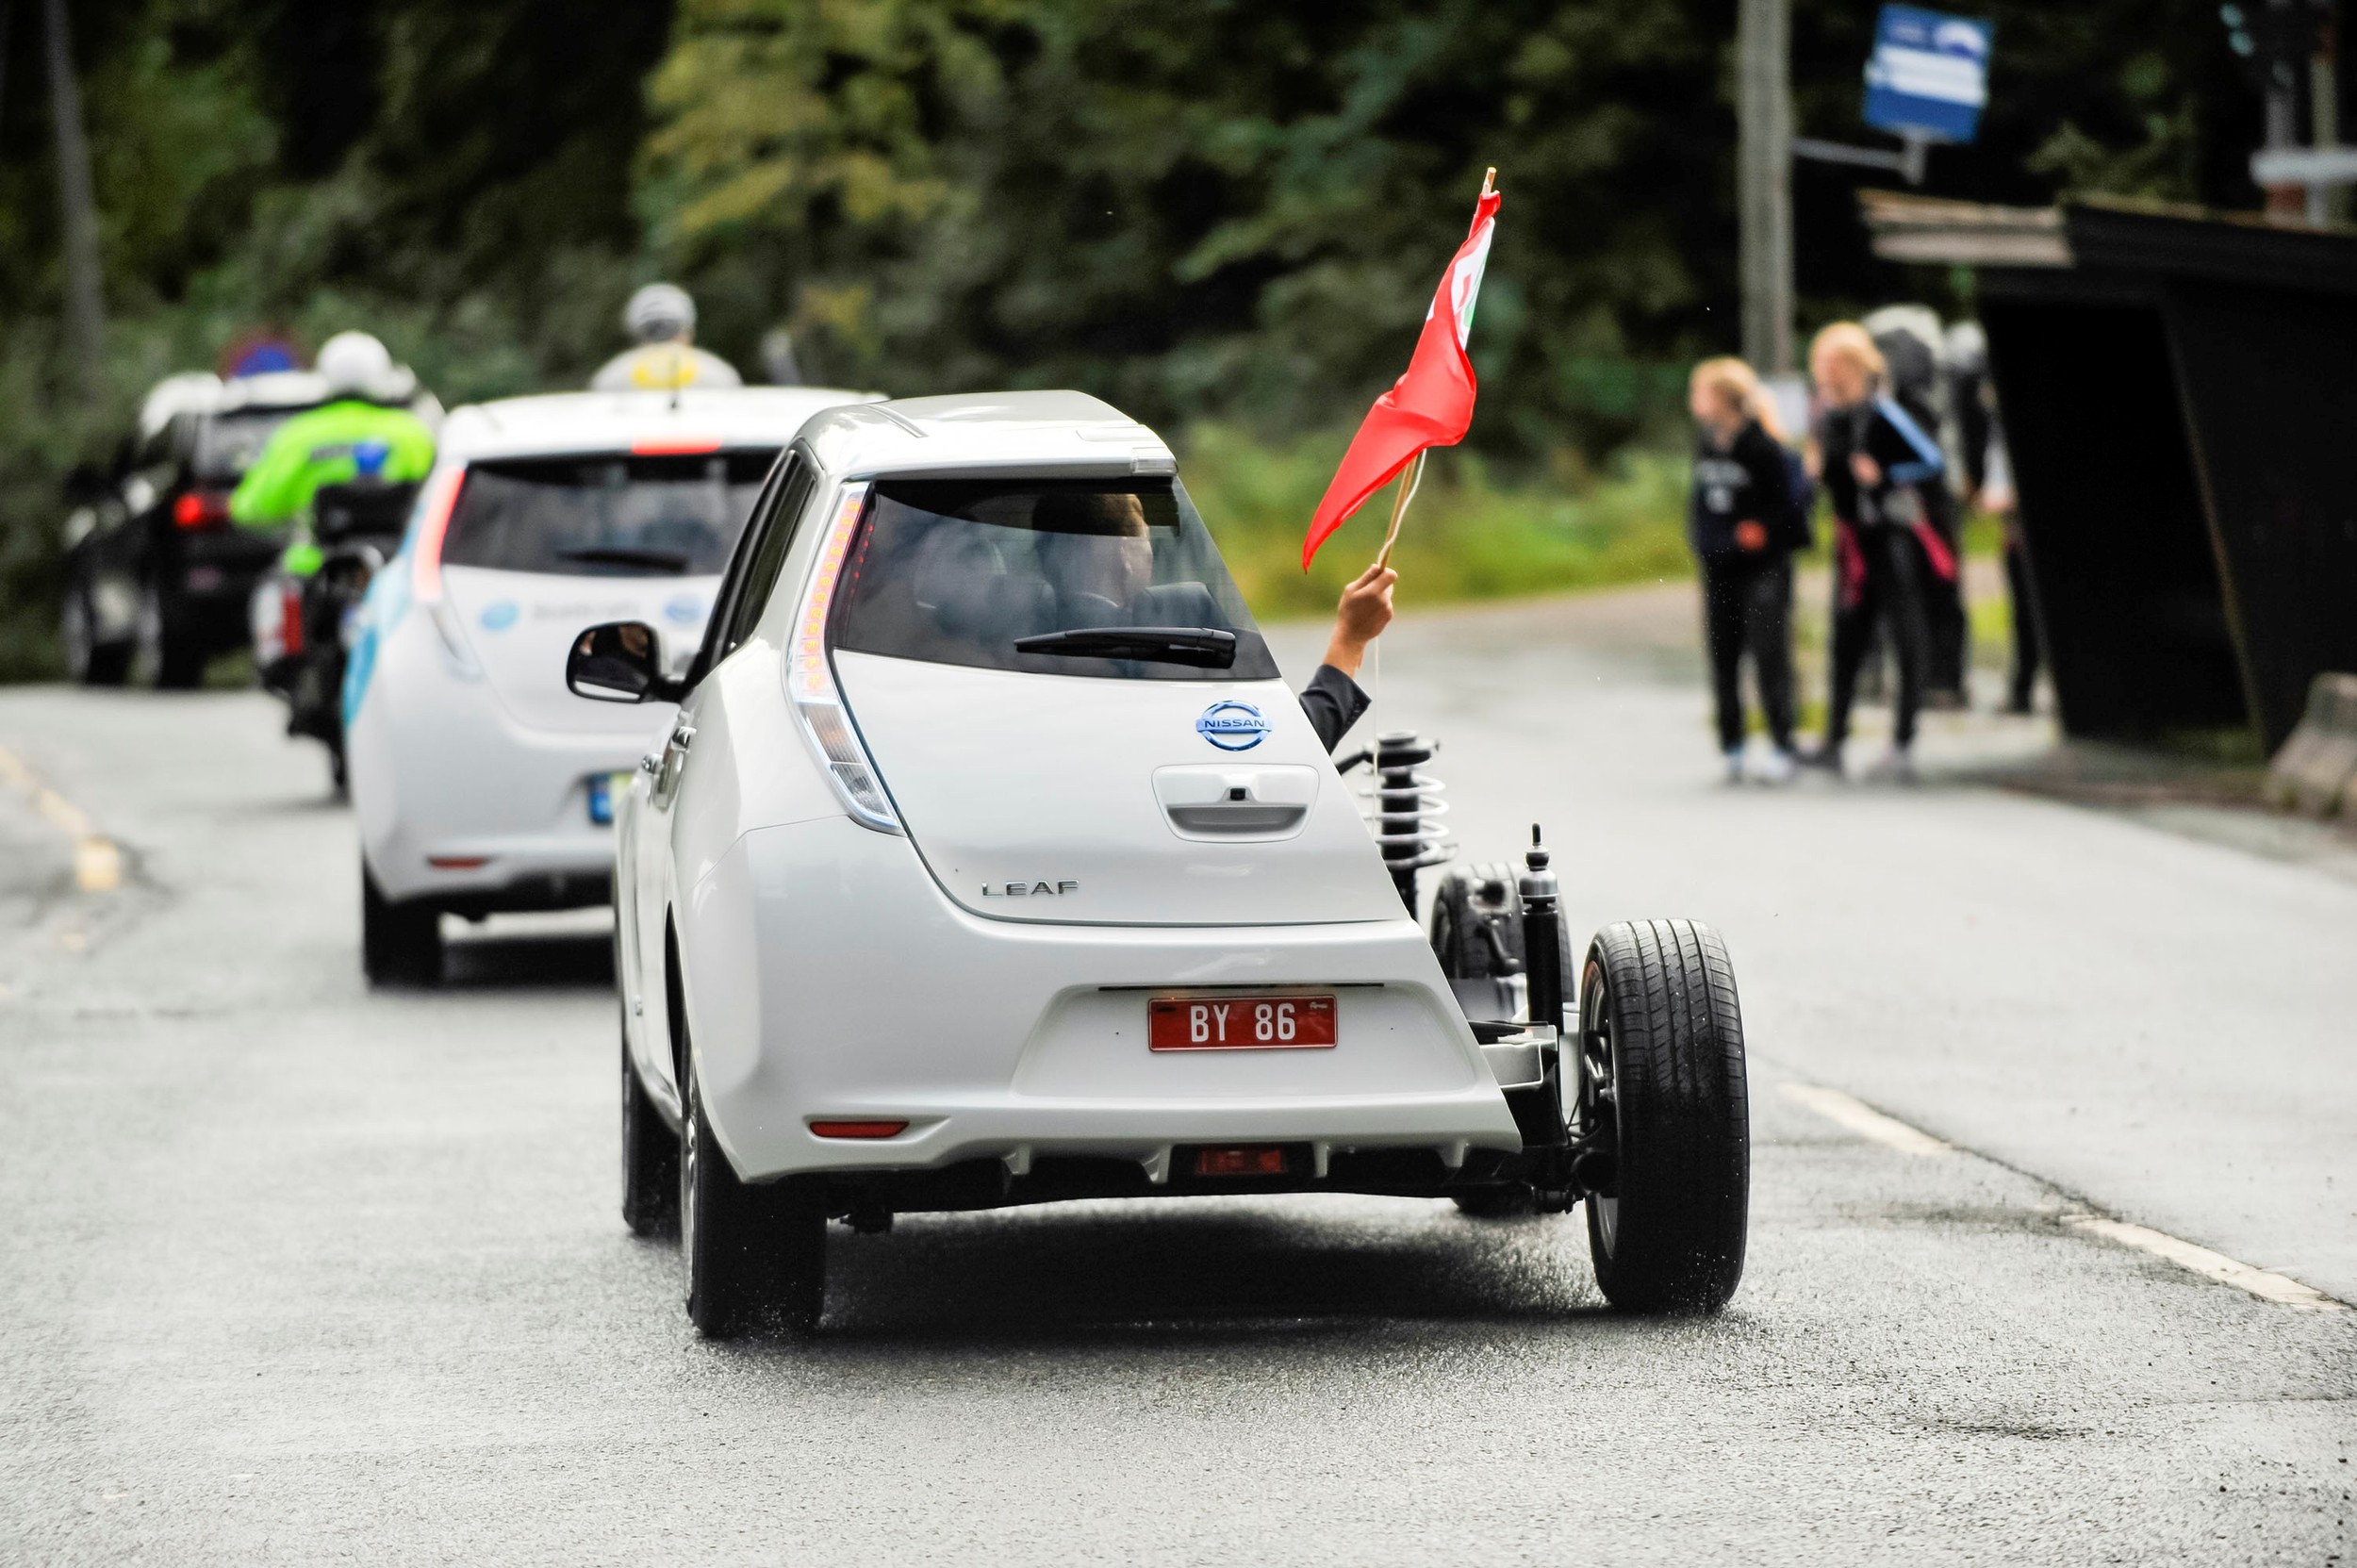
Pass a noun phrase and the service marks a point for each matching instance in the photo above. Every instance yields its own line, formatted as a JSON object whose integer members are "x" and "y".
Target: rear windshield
{"x": 955, "y": 572}
{"x": 226, "y": 444}
{"x": 605, "y": 516}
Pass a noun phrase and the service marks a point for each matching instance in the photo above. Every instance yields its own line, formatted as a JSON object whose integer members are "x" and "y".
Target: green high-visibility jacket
{"x": 316, "y": 448}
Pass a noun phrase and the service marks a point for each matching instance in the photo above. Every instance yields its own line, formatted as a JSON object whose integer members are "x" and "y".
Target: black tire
{"x": 400, "y": 944}
{"x": 1662, "y": 1084}
{"x": 165, "y": 654}
{"x": 754, "y": 1256}
{"x": 651, "y": 1180}
{"x": 87, "y": 661}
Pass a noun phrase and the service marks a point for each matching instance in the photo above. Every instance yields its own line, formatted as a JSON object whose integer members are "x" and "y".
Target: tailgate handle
{"x": 1233, "y": 816}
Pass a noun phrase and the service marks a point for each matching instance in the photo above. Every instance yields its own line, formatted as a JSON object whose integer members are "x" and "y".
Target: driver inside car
{"x": 1098, "y": 556}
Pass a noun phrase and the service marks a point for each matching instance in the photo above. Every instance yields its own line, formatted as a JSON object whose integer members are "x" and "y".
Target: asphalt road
{"x": 295, "y": 1272}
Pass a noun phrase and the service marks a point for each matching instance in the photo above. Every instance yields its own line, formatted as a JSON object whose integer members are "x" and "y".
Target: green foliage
{"x": 1470, "y": 534}
{"x": 1198, "y": 208}
{"x": 1221, "y": 214}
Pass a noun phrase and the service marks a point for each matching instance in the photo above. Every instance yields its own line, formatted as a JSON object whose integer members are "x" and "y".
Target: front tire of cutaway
{"x": 753, "y": 1256}
{"x": 1662, "y": 1073}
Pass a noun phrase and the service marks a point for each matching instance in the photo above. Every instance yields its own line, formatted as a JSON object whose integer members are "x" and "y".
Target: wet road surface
{"x": 295, "y": 1272}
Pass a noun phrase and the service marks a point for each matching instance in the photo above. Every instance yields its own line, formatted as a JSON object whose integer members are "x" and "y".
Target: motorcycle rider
{"x": 351, "y": 434}
{"x": 662, "y": 319}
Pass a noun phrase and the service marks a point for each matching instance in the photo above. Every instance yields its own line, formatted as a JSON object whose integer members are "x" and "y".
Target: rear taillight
{"x": 858, "y": 1129}
{"x": 434, "y": 508}
{"x": 291, "y": 618}
{"x": 200, "y": 509}
{"x": 810, "y": 678}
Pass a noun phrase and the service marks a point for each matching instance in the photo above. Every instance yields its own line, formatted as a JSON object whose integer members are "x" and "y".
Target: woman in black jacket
{"x": 1876, "y": 459}
{"x": 1744, "y": 522}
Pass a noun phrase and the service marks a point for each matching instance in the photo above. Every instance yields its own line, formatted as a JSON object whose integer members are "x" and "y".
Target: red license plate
{"x": 1239, "y": 1023}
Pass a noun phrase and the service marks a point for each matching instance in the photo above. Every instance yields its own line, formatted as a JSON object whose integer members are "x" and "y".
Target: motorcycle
{"x": 303, "y": 624}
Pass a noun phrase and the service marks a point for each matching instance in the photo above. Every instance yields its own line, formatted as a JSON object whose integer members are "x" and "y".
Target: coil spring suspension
{"x": 1405, "y": 809}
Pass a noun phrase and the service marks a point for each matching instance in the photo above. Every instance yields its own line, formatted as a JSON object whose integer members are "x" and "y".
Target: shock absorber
{"x": 1542, "y": 958}
{"x": 1406, "y": 810}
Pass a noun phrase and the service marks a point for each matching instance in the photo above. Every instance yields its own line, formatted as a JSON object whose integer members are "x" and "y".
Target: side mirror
{"x": 620, "y": 662}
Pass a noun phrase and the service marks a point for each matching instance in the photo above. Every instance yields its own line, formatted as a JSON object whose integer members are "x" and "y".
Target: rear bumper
{"x": 827, "y": 978}
{"x": 440, "y": 773}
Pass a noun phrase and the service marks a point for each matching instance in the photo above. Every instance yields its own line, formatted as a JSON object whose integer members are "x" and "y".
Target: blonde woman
{"x": 1874, "y": 456}
{"x": 1744, "y": 522}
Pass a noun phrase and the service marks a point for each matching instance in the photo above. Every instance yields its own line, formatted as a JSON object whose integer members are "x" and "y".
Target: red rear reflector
{"x": 196, "y": 508}
{"x": 1251, "y": 1160}
{"x": 673, "y": 446}
{"x": 859, "y": 1129}
{"x": 290, "y": 620}
{"x": 458, "y": 863}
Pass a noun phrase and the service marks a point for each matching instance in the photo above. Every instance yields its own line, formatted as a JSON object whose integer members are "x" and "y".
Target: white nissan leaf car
{"x": 480, "y": 786}
{"x": 986, "y": 859}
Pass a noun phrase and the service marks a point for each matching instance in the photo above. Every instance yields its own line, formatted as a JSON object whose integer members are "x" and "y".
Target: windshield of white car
{"x": 604, "y": 516}
{"x": 987, "y": 573}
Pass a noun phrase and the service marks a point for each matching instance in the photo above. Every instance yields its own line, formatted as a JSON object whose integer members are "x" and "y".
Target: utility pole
{"x": 86, "y": 320}
{"x": 1764, "y": 181}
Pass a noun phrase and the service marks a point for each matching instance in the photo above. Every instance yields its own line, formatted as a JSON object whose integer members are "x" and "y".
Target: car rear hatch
{"x": 1077, "y": 721}
{"x": 538, "y": 548}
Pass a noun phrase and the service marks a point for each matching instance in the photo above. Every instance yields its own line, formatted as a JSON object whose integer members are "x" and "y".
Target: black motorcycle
{"x": 357, "y": 526}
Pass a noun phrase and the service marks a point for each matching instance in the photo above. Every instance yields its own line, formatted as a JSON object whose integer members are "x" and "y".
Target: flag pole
{"x": 1409, "y": 478}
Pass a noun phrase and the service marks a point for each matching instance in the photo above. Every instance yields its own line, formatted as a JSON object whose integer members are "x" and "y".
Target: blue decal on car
{"x": 1233, "y": 726}
{"x": 498, "y": 615}
{"x": 683, "y": 611}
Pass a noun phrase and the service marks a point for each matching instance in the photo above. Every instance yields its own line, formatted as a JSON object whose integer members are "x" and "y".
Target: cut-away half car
{"x": 989, "y": 861}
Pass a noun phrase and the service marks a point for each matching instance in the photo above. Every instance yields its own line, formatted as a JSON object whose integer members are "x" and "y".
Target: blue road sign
{"x": 1929, "y": 74}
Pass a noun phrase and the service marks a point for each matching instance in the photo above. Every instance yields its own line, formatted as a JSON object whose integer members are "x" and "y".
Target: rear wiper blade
{"x": 1207, "y": 646}
{"x": 668, "y": 561}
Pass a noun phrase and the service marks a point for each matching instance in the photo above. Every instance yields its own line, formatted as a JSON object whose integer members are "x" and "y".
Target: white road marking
{"x": 1867, "y": 1122}
{"x": 1864, "y": 1120}
{"x": 2210, "y": 1265}
{"x": 97, "y": 863}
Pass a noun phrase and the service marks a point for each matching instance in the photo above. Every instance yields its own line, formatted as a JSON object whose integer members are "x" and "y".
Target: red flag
{"x": 1430, "y": 405}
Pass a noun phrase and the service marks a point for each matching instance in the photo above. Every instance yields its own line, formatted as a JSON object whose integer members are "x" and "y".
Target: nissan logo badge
{"x": 1232, "y": 726}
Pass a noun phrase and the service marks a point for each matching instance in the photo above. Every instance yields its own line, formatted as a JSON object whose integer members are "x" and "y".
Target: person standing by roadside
{"x": 1874, "y": 458}
{"x": 1743, "y": 523}
{"x": 1989, "y": 486}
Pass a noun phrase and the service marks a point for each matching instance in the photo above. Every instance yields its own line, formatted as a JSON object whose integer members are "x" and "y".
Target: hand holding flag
{"x": 1430, "y": 405}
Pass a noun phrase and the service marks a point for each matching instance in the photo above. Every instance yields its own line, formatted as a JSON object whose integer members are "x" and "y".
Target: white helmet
{"x": 660, "y": 313}
{"x": 354, "y": 365}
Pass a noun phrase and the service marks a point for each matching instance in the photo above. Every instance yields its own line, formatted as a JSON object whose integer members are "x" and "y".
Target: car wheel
{"x": 179, "y": 657}
{"x": 1662, "y": 1089}
{"x": 651, "y": 1154}
{"x": 87, "y": 661}
{"x": 400, "y": 944}
{"x": 753, "y": 1255}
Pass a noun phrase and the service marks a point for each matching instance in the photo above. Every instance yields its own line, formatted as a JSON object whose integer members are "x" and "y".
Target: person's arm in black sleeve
{"x": 1332, "y": 700}
{"x": 1769, "y": 491}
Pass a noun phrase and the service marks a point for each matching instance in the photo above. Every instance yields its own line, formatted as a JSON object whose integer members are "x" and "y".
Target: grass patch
{"x": 1473, "y": 534}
